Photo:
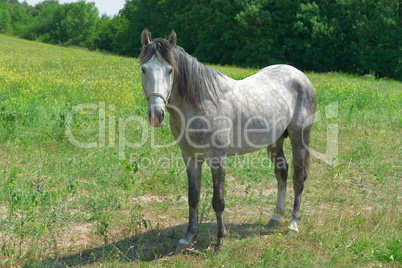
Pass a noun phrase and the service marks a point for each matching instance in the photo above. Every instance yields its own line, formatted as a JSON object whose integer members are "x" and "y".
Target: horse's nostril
{"x": 156, "y": 115}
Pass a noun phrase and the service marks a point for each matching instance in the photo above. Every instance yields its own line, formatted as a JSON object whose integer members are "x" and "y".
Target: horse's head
{"x": 158, "y": 67}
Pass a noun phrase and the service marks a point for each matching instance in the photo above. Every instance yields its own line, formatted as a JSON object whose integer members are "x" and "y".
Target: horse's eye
{"x": 170, "y": 71}
{"x": 143, "y": 70}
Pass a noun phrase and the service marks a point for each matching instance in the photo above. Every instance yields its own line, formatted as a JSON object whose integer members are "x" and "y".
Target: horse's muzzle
{"x": 156, "y": 116}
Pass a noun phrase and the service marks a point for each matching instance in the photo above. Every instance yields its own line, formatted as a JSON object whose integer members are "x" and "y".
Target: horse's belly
{"x": 256, "y": 133}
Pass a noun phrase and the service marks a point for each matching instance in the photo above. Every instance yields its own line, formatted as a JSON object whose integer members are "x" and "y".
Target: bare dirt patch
{"x": 75, "y": 235}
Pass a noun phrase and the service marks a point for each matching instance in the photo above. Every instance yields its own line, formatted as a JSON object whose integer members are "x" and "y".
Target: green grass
{"x": 119, "y": 206}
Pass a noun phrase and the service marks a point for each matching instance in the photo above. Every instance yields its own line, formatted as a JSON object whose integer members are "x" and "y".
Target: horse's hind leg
{"x": 300, "y": 165}
{"x": 275, "y": 153}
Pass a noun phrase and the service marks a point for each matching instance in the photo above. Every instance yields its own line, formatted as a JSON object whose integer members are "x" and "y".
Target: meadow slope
{"x": 73, "y": 192}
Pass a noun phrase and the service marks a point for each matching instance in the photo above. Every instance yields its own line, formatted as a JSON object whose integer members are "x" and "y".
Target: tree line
{"x": 353, "y": 36}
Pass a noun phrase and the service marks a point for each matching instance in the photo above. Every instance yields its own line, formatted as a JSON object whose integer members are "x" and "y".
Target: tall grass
{"x": 118, "y": 206}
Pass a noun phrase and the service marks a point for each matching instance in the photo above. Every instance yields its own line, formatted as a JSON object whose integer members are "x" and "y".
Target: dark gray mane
{"x": 194, "y": 78}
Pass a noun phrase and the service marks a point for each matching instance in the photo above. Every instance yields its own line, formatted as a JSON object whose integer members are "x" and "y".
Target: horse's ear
{"x": 173, "y": 38}
{"x": 145, "y": 37}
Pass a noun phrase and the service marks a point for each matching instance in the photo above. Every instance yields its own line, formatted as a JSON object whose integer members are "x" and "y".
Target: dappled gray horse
{"x": 213, "y": 116}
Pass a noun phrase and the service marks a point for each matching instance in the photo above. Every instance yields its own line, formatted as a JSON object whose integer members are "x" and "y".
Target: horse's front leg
{"x": 218, "y": 169}
{"x": 193, "y": 167}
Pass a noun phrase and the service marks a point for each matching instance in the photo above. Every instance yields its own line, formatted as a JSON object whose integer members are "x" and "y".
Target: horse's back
{"x": 278, "y": 82}
{"x": 292, "y": 80}
{"x": 286, "y": 74}
{"x": 280, "y": 90}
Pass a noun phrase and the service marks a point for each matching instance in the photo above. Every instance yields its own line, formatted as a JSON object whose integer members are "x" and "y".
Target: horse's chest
{"x": 202, "y": 134}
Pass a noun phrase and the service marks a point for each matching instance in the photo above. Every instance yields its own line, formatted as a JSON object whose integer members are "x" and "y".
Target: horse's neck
{"x": 223, "y": 85}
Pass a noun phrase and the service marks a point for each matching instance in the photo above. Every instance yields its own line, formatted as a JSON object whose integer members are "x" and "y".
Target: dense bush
{"x": 352, "y": 36}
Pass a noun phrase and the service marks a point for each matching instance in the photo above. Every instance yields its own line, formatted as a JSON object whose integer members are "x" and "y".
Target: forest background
{"x": 351, "y": 36}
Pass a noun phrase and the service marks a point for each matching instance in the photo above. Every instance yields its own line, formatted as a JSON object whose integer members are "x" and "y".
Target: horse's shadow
{"x": 155, "y": 244}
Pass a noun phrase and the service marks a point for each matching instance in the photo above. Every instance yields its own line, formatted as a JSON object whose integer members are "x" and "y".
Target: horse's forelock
{"x": 162, "y": 48}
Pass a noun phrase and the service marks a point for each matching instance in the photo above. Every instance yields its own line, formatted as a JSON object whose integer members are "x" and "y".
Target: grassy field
{"x": 112, "y": 205}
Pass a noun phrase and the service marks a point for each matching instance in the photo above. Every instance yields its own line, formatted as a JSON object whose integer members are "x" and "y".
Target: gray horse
{"x": 213, "y": 116}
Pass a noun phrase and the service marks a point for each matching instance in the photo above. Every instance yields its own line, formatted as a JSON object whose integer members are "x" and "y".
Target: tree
{"x": 140, "y": 14}
{"x": 377, "y": 46}
{"x": 18, "y": 14}
{"x": 69, "y": 24}
{"x": 36, "y": 10}
{"x": 80, "y": 22}
{"x": 109, "y": 34}
{"x": 5, "y": 19}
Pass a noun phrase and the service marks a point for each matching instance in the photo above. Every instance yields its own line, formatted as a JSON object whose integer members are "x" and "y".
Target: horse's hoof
{"x": 184, "y": 243}
{"x": 182, "y": 246}
{"x": 272, "y": 224}
{"x": 292, "y": 228}
{"x": 218, "y": 247}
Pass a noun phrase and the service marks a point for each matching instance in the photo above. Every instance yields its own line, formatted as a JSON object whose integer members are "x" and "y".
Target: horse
{"x": 213, "y": 116}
